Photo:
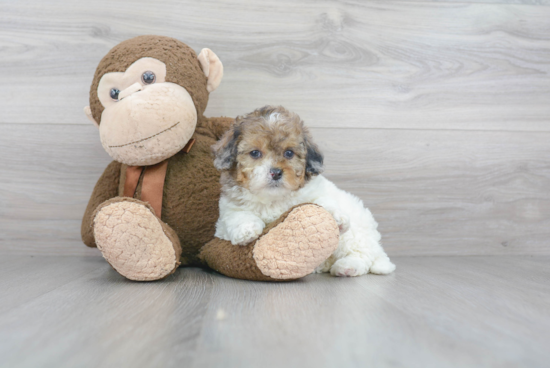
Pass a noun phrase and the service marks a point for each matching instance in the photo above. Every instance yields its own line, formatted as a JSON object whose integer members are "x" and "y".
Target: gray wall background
{"x": 435, "y": 113}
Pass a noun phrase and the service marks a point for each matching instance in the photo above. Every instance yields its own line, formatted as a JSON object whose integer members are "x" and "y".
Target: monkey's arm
{"x": 217, "y": 126}
{"x": 106, "y": 188}
{"x": 287, "y": 249}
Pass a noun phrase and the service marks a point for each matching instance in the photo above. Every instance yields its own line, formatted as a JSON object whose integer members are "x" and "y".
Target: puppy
{"x": 268, "y": 164}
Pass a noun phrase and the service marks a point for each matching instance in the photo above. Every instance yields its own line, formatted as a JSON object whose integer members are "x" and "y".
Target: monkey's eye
{"x": 255, "y": 154}
{"x": 148, "y": 77}
{"x": 114, "y": 93}
{"x": 289, "y": 154}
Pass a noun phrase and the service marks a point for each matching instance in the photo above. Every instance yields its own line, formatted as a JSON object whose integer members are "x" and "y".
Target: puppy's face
{"x": 269, "y": 152}
{"x": 271, "y": 156}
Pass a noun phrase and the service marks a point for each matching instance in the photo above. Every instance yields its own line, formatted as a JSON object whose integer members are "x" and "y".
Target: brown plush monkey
{"x": 155, "y": 206}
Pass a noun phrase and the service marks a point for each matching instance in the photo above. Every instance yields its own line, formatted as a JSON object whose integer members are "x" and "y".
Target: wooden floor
{"x": 434, "y": 312}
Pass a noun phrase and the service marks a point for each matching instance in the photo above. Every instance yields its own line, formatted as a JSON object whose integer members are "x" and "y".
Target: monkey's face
{"x": 145, "y": 119}
{"x": 148, "y": 95}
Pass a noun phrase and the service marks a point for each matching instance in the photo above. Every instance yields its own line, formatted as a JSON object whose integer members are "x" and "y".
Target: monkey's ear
{"x": 225, "y": 150}
{"x": 89, "y": 115}
{"x": 212, "y": 67}
{"x": 314, "y": 157}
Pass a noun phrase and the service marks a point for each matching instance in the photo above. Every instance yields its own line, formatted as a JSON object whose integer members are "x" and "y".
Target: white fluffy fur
{"x": 244, "y": 214}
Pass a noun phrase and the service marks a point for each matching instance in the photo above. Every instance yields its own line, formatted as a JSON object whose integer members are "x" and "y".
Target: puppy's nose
{"x": 276, "y": 173}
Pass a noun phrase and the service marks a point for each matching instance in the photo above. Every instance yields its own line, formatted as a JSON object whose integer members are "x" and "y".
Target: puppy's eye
{"x": 148, "y": 77}
{"x": 289, "y": 154}
{"x": 255, "y": 154}
{"x": 114, "y": 93}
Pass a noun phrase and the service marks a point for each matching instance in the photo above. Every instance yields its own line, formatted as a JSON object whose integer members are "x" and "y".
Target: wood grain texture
{"x": 447, "y": 192}
{"x": 434, "y": 312}
{"x": 433, "y": 192}
{"x": 48, "y": 177}
{"x": 435, "y": 113}
{"x": 382, "y": 64}
{"x": 105, "y": 320}
{"x": 29, "y": 277}
{"x": 518, "y": 2}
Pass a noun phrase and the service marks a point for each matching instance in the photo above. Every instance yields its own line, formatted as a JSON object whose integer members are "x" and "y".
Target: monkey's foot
{"x": 289, "y": 248}
{"x": 299, "y": 243}
{"x": 134, "y": 241}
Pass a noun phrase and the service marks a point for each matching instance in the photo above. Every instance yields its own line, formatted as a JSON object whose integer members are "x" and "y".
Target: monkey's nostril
{"x": 276, "y": 174}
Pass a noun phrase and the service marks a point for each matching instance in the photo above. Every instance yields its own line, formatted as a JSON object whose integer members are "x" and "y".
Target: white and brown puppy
{"x": 269, "y": 164}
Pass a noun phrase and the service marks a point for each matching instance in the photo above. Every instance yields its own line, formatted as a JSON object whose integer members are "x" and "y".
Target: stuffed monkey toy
{"x": 156, "y": 205}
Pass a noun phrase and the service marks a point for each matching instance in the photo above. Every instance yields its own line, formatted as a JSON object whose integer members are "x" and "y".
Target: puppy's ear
{"x": 314, "y": 157}
{"x": 225, "y": 150}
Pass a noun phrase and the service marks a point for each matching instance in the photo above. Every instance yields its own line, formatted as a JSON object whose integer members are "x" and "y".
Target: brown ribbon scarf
{"x": 153, "y": 181}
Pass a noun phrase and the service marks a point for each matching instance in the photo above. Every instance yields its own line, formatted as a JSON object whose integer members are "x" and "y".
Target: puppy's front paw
{"x": 349, "y": 266}
{"x": 342, "y": 220}
{"x": 246, "y": 232}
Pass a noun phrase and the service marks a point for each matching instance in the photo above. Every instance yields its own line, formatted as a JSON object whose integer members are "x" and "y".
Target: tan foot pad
{"x": 133, "y": 241}
{"x": 296, "y": 246}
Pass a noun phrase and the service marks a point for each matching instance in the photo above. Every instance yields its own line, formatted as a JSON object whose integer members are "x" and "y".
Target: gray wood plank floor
{"x": 434, "y": 312}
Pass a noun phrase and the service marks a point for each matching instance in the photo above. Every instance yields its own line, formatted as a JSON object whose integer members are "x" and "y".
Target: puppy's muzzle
{"x": 276, "y": 174}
